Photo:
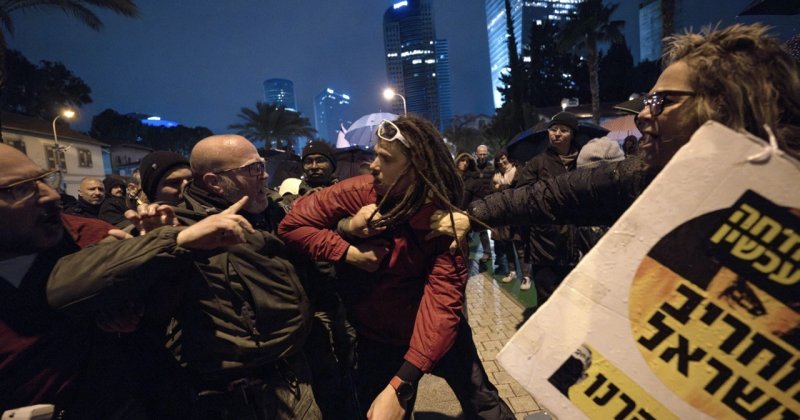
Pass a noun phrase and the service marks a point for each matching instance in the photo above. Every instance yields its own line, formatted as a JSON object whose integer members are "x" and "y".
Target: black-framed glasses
{"x": 253, "y": 168}
{"x": 657, "y": 100}
{"x": 25, "y": 189}
{"x": 388, "y": 131}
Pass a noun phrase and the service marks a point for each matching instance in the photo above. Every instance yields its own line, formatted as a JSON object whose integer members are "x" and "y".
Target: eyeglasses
{"x": 385, "y": 131}
{"x": 657, "y": 100}
{"x": 25, "y": 189}
{"x": 253, "y": 168}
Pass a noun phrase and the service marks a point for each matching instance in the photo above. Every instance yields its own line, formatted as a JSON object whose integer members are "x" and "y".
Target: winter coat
{"x": 238, "y": 307}
{"x": 413, "y": 300}
{"x": 586, "y": 197}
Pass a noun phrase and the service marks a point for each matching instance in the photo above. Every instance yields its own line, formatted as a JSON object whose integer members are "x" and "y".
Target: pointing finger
{"x": 235, "y": 207}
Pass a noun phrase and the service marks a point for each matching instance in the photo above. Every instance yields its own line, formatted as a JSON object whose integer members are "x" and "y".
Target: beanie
{"x": 599, "y": 150}
{"x": 111, "y": 181}
{"x": 319, "y": 148}
{"x": 565, "y": 118}
{"x": 155, "y": 166}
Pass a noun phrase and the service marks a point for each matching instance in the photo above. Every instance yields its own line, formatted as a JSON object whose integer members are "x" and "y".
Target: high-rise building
{"x": 651, "y": 30}
{"x": 523, "y": 15}
{"x": 280, "y": 92}
{"x": 331, "y": 111}
{"x": 444, "y": 84}
{"x": 411, "y": 61}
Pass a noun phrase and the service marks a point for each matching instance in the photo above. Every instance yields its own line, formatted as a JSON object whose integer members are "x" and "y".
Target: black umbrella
{"x": 529, "y": 143}
{"x": 772, "y": 7}
{"x": 350, "y": 159}
{"x": 282, "y": 165}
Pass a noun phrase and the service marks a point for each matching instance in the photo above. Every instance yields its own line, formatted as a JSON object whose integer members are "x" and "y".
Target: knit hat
{"x": 111, "y": 181}
{"x": 155, "y": 166}
{"x": 599, "y": 150}
{"x": 319, "y": 148}
{"x": 565, "y": 118}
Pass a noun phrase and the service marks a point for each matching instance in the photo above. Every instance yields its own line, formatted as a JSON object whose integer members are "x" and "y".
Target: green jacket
{"x": 237, "y": 307}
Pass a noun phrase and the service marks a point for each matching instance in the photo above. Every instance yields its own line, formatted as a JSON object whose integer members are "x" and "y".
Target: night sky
{"x": 199, "y": 62}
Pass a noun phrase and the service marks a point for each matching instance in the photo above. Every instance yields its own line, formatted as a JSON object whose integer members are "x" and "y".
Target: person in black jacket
{"x": 91, "y": 194}
{"x": 713, "y": 75}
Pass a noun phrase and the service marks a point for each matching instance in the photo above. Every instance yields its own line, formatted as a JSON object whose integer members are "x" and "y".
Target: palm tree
{"x": 591, "y": 25}
{"x": 78, "y": 8}
{"x": 273, "y": 123}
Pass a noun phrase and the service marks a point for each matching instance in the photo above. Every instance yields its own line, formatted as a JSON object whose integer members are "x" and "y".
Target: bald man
{"x": 91, "y": 194}
{"x": 242, "y": 313}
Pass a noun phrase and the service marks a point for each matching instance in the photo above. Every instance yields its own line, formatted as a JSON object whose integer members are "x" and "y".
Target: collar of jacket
{"x": 198, "y": 204}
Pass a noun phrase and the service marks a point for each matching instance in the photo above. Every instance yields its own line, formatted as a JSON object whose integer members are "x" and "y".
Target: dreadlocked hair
{"x": 428, "y": 160}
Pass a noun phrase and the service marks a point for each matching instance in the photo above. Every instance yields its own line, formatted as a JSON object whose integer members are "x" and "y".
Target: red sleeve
{"x": 308, "y": 228}
{"x": 436, "y": 325}
{"x": 85, "y": 231}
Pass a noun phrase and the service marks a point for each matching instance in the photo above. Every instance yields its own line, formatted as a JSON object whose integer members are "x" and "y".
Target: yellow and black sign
{"x": 714, "y": 311}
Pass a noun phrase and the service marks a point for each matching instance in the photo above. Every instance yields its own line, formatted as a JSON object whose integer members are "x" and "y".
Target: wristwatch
{"x": 404, "y": 390}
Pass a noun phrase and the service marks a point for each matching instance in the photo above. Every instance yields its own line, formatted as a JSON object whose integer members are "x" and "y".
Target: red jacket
{"x": 415, "y": 297}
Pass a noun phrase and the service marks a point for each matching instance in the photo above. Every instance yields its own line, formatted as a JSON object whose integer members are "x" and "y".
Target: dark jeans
{"x": 546, "y": 278}
{"x": 460, "y": 367}
{"x": 279, "y": 391}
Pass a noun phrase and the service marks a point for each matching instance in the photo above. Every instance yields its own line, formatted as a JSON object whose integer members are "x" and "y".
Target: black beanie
{"x": 565, "y": 118}
{"x": 319, "y": 148}
{"x": 154, "y": 166}
{"x": 110, "y": 181}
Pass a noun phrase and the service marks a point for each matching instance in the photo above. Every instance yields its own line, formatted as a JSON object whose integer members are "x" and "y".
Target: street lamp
{"x": 389, "y": 93}
{"x": 68, "y": 114}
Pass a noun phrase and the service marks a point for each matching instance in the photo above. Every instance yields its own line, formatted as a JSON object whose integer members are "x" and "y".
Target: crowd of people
{"x": 191, "y": 290}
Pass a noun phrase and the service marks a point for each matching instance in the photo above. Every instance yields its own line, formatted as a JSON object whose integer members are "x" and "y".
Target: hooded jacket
{"x": 413, "y": 300}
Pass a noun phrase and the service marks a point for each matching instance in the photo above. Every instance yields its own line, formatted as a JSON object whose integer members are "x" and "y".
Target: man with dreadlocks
{"x": 403, "y": 289}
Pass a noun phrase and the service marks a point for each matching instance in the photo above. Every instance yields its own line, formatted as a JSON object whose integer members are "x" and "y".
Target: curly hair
{"x": 743, "y": 78}
{"x": 430, "y": 161}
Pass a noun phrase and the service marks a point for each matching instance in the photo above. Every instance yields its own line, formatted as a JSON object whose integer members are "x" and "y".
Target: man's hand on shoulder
{"x": 441, "y": 225}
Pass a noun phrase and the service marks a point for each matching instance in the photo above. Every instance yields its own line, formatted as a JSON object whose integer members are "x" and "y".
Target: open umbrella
{"x": 362, "y": 131}
{"x": 529, "y": 143}
{"x": 350, "y": 159}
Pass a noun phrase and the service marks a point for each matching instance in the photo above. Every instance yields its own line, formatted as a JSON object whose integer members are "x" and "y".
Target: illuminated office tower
{"x": 523, "y": 15}
{"x": 651, "y": 29}
{"x": 280, "y": 92}
{"x": 331, "y": 111}
{"x": 411, "y": 61}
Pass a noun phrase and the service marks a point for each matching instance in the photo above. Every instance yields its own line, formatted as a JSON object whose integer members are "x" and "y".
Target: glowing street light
{"x": 389, "y": 93}
{"x": 68, "y": 114}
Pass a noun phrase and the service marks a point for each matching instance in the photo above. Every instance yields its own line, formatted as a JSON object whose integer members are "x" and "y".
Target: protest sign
{"x": 688, "y": 306}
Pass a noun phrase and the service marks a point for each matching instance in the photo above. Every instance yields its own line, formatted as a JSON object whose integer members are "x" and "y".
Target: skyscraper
{"x": 331, "y": 110}
{"x": 280, "y": 92}
{"x": 651, "y": 30}
{"x": 411, "y": 60}
{"x": 523, "y": 15}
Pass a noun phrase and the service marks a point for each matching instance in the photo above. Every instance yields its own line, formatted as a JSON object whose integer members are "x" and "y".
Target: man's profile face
{"x": 241, "y": 182}
{"x": 388, "y": 167}
{"x": 482, "y": 154}
{"x": 171, "y": 184}
{"x": 318, "y": 169}
{"x": 666, "y": 132}
{"x": 32, "y": 224}
{"x": 92, "y": 191}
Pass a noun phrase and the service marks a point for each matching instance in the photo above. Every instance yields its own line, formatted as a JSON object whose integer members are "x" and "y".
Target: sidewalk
{"x": 493, "y": 317}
